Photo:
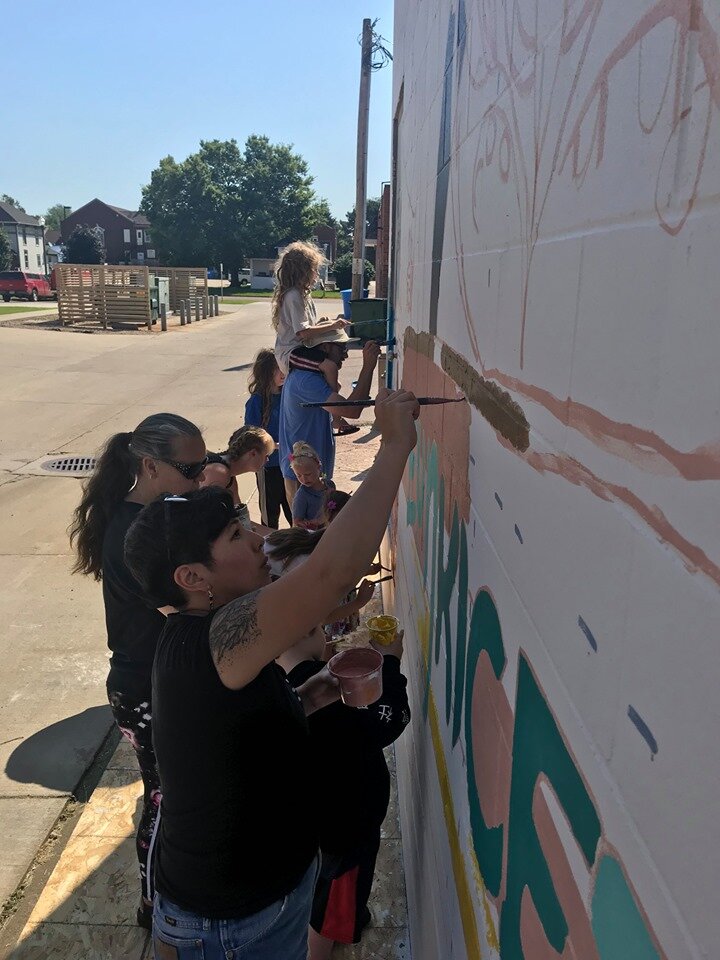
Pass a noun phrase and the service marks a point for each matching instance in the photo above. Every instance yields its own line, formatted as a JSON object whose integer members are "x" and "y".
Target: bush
{"x": 84, "y": 245}
{"x": 342, "y": 268}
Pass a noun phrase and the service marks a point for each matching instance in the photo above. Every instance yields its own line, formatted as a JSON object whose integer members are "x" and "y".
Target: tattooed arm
{"x": 234, "y": 632}
{"x": 250, "y": 632}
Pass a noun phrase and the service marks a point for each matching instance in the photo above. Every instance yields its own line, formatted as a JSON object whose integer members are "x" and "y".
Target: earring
{"x": 211, "y": 598}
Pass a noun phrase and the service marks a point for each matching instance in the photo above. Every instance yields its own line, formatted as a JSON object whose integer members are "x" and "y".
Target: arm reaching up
{"x": 250, "y": 632}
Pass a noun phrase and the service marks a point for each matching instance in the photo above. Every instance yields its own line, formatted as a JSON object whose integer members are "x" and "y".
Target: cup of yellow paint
{"x": 383, "y": 629}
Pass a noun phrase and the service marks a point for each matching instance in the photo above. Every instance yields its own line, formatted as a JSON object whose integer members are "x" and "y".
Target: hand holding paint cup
{"x": 359, "y": 672}
{"x": 395, "y": 649}
{"x": 383, "y": 629}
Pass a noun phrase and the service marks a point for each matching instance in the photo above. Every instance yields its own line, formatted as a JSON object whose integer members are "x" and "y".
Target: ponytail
{"x": 112, "y": 479}
{"x": 114, "y": 476}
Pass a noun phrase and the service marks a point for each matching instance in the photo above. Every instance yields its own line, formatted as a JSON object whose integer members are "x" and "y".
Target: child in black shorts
{"x": 353, "y": 782}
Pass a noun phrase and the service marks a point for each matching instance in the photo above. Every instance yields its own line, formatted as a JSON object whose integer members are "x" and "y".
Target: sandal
{"x": 344, "y": 431}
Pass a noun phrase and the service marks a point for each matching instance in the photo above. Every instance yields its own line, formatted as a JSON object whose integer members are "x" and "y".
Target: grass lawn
{"x": 6, "y": 308}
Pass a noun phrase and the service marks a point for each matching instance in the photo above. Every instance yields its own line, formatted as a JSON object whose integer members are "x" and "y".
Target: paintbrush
{"x": 423, "y": 401}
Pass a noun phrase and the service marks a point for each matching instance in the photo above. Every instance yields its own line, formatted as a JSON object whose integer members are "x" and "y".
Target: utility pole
{"x": 362, "y": 153}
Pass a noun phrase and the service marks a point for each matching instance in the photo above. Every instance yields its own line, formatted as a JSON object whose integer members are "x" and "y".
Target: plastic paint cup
{"x": 383, "y": 629}
{"x": 360, "y": 674}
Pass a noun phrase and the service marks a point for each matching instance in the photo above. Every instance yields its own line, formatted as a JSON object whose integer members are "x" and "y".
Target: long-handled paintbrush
{"x": 423, "y": 401}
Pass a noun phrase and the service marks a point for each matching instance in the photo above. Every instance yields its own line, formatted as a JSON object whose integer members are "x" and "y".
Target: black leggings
{"x": 134, "y": 719}
{"x": 271, "y": 488}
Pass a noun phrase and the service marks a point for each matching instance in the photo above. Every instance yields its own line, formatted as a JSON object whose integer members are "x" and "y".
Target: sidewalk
{"x": 64, "y": 393}
{"x": 86, "y": 909}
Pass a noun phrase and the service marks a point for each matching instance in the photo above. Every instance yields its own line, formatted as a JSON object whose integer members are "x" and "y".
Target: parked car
{"x": 25, "y": 286}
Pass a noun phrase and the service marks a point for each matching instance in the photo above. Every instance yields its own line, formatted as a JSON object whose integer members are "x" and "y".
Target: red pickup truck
{"x": 25, "y": 286}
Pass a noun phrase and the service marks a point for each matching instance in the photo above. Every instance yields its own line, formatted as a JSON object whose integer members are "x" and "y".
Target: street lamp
{"x": 41, "y": 221}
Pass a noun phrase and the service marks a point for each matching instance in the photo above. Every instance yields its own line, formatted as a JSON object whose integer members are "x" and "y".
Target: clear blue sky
{"x": 94, "y": 94}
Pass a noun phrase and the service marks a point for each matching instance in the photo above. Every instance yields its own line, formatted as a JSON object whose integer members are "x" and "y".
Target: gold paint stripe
{"x": 465, "y": 901}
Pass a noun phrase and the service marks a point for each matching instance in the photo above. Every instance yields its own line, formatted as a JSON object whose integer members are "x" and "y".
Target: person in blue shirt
{"x": 263, "y": 410}
{"x": 307, "y": 507}
{"x": 314, "y": 425}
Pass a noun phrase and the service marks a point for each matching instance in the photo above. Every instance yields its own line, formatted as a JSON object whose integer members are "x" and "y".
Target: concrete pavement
{"x": 65, "y": 393}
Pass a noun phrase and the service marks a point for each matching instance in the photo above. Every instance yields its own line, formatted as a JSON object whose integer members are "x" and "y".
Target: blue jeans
{"x": 278, "y": 931}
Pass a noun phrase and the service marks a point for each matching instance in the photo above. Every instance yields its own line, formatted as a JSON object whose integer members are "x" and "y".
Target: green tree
{"x": 222, "y": 204}
{"x": 320, "y": 213}
{"x": 346, "y": 228}
{"x": 5, "y": 251}
{"x": 277, "y": 199}
{"x": 84, "y": 245}
{"x": 342, "y": 269}
{"x": 191, "y": 205}
{"x": 6, "y": 198}
{"x": 55, "y": 215}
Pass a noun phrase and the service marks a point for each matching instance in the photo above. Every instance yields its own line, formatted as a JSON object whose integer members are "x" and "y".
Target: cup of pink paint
{"x": 359, "y": 672}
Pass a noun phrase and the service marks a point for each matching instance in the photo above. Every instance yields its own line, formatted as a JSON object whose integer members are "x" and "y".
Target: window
{"x": 39, "y": 260}
{"x": 151, "y": 254}
{"x": 126, "y": 236}
{"x": 140, "y": 256}
{"x": 139, "y": 237}
{"x": 147, "y": 237}
{"x": 27, "y": 259}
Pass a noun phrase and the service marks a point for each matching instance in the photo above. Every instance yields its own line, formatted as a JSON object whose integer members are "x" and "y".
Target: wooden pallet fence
{"x": 104, "y": 294}
{"x": 186, "y": 283}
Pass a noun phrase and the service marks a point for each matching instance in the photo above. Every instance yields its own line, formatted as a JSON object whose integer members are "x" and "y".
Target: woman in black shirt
{"x": 238, "y": 836}
{"x": 163, "y": 453}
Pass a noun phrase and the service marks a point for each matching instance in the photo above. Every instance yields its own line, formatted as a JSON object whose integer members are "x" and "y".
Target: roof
{"x": 53, "y": 236}
{"x": 134, "y": 215}
{"x": 10, "y": 214}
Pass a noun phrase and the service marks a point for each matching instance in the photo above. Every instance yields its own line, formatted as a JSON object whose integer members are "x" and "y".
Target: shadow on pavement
{"x": 58, "y": 756}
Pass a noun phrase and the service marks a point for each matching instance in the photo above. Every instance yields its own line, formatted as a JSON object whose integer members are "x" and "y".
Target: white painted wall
{"x": 576, "y": 243}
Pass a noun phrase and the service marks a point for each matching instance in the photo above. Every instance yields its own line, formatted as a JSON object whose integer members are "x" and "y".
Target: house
{"x": 53, "y": 248}
{"x": 26, "y": 236}
{"x": 262, "y": 276}
{"x": 126, "y": 233}
{"x": 325, "y": 237}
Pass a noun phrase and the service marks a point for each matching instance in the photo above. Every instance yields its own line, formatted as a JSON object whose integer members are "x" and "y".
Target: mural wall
{"x": 557, "y": 541}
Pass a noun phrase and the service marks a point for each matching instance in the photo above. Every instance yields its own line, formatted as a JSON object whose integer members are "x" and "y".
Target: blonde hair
{"x": 295, "y": 267}
{"x": 246, "y": 439}
{"x": 302, "y": 449}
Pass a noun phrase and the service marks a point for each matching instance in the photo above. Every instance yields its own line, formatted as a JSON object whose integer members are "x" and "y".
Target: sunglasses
{"x": 188, "y": 470}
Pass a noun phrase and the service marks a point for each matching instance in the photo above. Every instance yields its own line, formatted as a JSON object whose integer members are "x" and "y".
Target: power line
{"x": 380, "y": 55}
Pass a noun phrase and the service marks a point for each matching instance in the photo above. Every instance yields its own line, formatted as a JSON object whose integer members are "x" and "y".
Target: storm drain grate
{"x": 70, "y": 465}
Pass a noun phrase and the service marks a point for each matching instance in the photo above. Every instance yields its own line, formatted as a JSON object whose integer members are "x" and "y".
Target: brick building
{"x": 126, "y": 233}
